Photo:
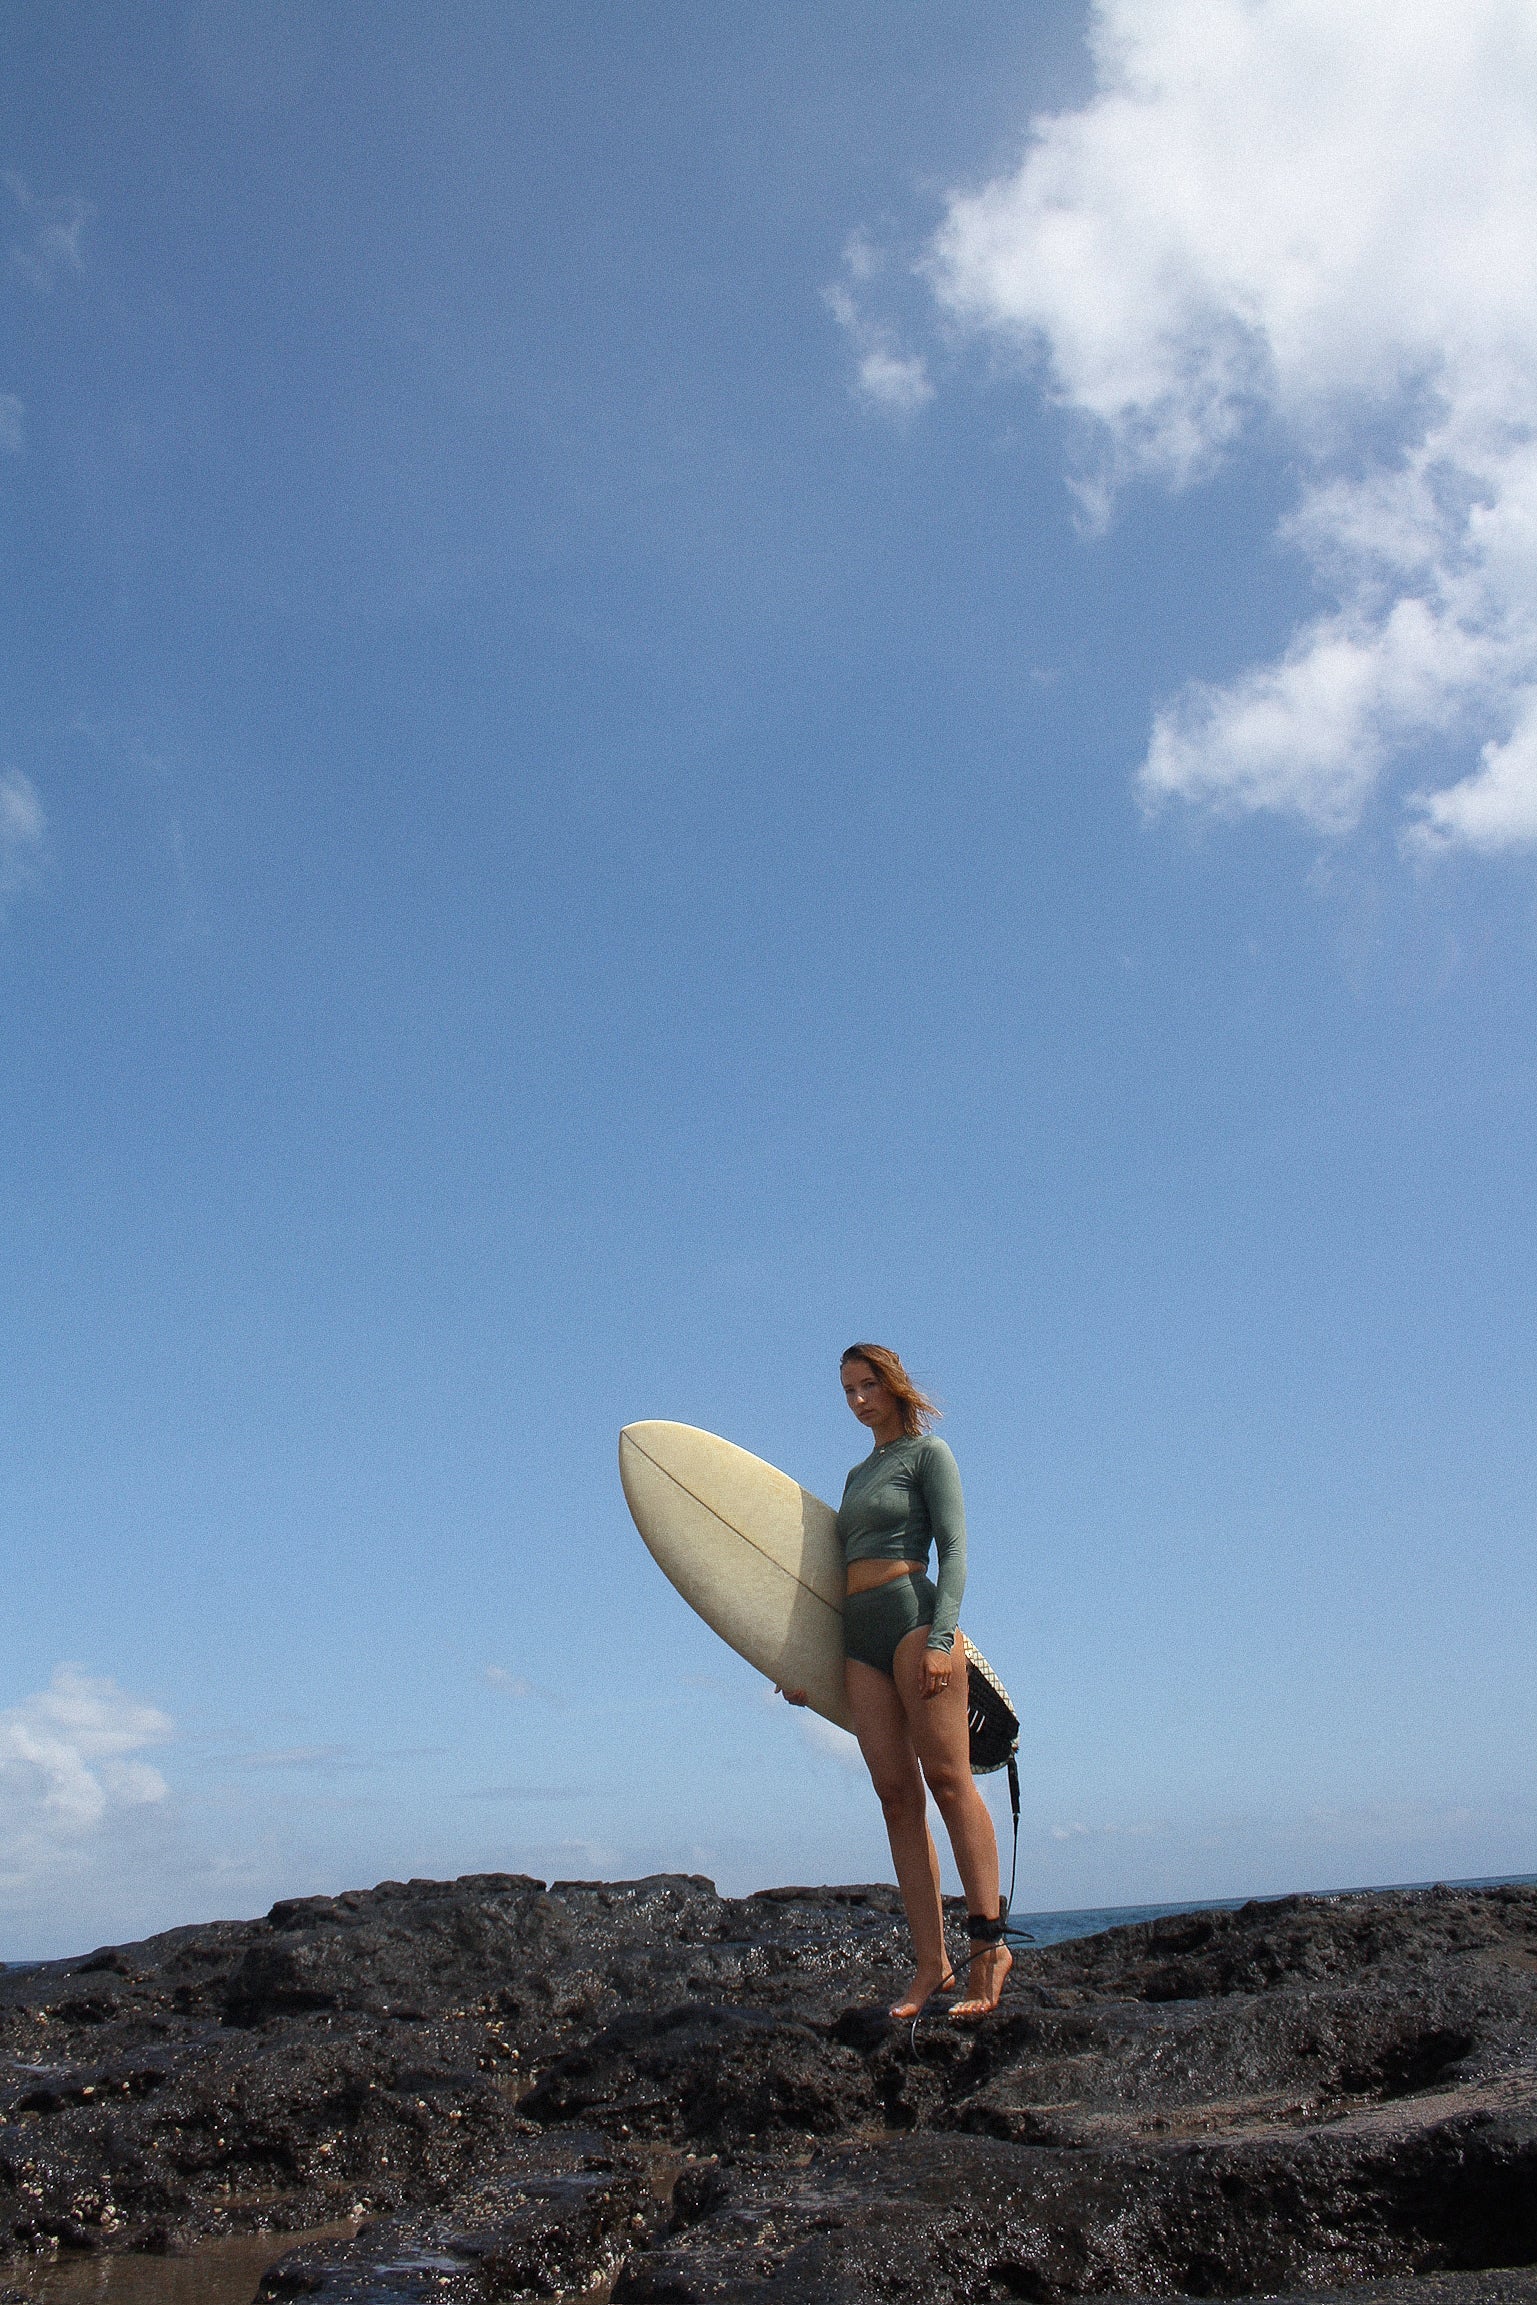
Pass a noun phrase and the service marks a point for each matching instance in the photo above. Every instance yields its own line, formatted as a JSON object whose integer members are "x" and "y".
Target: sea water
{"x": 1094, "y": 1920}
{"x": 213, "y": 2273}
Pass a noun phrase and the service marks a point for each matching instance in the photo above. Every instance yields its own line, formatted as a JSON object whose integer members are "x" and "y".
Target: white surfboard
{"x": 752, "y": 1551}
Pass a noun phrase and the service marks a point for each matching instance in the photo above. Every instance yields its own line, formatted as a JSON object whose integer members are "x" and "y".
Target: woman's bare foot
{"x": 990, "y": 1965}
{"x": 921, "y": 1991}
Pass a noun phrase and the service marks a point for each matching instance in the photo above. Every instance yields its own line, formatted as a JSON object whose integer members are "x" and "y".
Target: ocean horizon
{"x": 1094, "y": 1920}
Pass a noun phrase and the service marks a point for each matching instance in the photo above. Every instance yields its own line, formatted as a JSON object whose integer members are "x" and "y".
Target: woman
{"x": 905, "y": 1672}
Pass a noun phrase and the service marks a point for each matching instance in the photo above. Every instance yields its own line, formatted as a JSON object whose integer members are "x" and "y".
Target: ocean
{"x": 1093, "y": 1920}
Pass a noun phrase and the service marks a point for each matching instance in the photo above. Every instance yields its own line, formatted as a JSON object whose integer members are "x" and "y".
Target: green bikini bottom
{"x": 875, "y": 1623}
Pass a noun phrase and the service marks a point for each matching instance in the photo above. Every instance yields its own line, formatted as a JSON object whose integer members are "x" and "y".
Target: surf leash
{"x": 993, "y": 1726}
{"x": 993, "y": 1723}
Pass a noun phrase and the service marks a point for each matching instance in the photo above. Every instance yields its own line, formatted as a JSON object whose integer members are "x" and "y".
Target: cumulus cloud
{"x": 1320, "y": 221}
{"x": 68, "y": 1765}
{"x": 47, "y": 233}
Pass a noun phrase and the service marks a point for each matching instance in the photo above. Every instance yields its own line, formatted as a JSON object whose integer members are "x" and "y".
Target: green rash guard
{"x": 894, "y": 1502}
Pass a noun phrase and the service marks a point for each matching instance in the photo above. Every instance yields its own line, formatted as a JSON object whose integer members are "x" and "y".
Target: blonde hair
{"x": 918, "y": 1411}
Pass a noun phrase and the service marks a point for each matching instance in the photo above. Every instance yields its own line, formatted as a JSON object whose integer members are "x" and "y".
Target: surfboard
{"x": 755, "y": 1554}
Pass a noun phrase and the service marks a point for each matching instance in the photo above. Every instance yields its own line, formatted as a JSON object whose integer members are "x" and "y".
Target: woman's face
{"x": 868, "y": 1395}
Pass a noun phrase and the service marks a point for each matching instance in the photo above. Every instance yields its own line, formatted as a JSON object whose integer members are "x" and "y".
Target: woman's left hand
{"x": 938, "y": 1665}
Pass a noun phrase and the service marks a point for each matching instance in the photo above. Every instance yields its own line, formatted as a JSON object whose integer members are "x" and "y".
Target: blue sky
{"x": 674, "y": 691}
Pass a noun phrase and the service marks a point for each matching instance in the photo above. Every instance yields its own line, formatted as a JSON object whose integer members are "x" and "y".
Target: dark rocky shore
{"x": 531, "y": 2092}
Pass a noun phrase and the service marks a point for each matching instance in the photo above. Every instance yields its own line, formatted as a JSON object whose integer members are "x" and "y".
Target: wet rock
{"x": 527, "y": 2089}
{"x": 565, "y": 2220}
{"x": 709, "y": 2072}
{"x": 962, "y": 2218}
{"x": 372, "y": 2050}
{"x": 1517, "y": 2286}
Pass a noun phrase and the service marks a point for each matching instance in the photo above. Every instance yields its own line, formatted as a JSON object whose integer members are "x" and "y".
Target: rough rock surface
{"x": 530, "y": 2091}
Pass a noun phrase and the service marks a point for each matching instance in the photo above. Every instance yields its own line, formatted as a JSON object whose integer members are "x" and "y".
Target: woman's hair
{"x": 918, "y": 1411}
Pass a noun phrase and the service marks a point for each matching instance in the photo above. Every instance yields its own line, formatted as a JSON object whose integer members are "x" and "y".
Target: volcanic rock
{"x": 524, "y": 2091}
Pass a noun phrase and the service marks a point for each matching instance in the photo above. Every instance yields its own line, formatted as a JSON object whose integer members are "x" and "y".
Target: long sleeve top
{"x": 894, "y": 1502}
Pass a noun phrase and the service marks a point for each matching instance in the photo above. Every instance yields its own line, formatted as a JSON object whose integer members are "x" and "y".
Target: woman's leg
{"x": 941, "y": 1738}
{"x": 880, "y": 1723}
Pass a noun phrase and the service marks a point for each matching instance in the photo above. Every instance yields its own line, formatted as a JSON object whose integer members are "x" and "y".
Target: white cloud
{"x": 68, "y": 1764}
{"x": 819, "y": 1735}
{"x": 510, "y": 1684}
{"x": 21, "y": 813}
{"x": 50, "y": 233}
{"x": 1497, "y": 807}
{"x": 22, "y": 826}
{"x": 827, "y": 1738}
{"x": 1081, "y": 1832}
{"x": 1322, "y": 220}
{"x": 303, "y": 1757}
{"x": 895, "y": 380}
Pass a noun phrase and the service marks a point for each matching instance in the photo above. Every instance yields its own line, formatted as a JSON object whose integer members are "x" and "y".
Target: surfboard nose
{"x": 749, "y": 1549}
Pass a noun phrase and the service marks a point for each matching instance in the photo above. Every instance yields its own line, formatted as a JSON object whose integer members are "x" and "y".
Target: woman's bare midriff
{"x": 864, "y": 1576}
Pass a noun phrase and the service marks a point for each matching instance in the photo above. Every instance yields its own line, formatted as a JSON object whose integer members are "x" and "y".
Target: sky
{"x": 681, "y": 684}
